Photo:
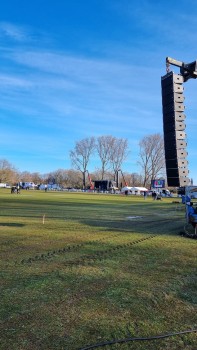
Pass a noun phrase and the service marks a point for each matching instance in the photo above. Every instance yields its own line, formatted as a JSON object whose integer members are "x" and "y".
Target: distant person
{"x": 192, "y": 214}
{"x": 159, "y": 197}
{"x": 145, "y": 194}
{"x": 154, "y": 195}
{"x": 13, "y": 189}
{"x": 45, "y": 188}
{"x": 18, "y": 189}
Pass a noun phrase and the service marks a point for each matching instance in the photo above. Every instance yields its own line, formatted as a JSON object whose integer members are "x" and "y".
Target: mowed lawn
{"x": 80, "y": 269}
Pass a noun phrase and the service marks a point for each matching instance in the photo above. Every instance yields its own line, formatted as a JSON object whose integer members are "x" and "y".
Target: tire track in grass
{"x": 73, "y": 247}
{"x": 69, "y": 248}
{"x": 100, "y": 255}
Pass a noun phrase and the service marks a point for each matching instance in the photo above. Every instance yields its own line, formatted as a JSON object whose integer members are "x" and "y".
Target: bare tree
{"x": 123, "y": 179}
{"x": 119, "y": 153}
{"x": 104, "y": 147}
{"x": 61, "y": 177}
{"x": 136, "y": 180}
{"x": 66, "y": 178}
{"x": 152, "y": 158}
{"x": 37, "y": 178}
{"x": 25, "y": 176}
{"x": 7, "y": 172}
{"x": 80, "y": 156}
{"x": 97, "y": 174}
{"x": 74, "y": 178}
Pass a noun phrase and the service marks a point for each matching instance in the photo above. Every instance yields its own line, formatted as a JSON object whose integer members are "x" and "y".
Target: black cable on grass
{"x": 127, "y": 340}
{"x": 187, "y": 234}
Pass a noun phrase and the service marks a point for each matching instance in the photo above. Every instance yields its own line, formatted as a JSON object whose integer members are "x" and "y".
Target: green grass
{"x": 91, "y": 273}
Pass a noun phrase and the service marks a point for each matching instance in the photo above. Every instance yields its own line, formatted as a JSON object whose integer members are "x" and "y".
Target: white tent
{"x": 134, "y": 190}
{"x": 126, "y": 188}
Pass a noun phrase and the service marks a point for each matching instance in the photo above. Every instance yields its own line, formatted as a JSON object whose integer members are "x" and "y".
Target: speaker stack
{"x": 174, "y": 130}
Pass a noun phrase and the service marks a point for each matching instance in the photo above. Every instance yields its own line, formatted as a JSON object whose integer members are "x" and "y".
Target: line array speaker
{"x": 174, "y": 129}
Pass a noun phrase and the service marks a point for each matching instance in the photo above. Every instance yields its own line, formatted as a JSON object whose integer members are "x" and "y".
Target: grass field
{"x": 82, "y": 269}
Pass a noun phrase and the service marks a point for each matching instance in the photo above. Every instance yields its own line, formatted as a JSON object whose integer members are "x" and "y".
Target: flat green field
{"x": 82, "y": 269}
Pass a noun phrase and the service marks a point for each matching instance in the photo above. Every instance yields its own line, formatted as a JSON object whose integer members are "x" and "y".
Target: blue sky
{"x": 81, "y": 68}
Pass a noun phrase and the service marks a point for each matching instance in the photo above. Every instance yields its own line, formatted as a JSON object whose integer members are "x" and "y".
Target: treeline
{"x": 67, "y": 178}
{"x": 112, "y": 152}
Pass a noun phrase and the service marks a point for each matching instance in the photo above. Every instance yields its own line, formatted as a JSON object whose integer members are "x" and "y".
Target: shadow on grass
{"x": 144, "y": 225}
{"x": 13, "y": 224}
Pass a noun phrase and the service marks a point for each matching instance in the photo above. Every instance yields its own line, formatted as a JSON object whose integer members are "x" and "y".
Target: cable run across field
{"x": 102, "y": 254}
{"x": 72, "y": 247}
{"x": 127, "y": 340}
{"x": 68, "y": 248}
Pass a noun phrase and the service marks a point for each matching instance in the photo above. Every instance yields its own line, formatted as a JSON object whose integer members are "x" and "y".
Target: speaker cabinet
{"x": 174, "y": 130}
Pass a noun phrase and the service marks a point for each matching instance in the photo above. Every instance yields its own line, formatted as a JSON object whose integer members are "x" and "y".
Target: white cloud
{"x": 66, "y": 85}
{"x": 13, "y": 31}
{"x": 13, "y": 81}
{"x": 54, "y": 98}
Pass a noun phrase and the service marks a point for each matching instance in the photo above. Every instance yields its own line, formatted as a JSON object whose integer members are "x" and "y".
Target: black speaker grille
{"x": 174, "y": 129}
